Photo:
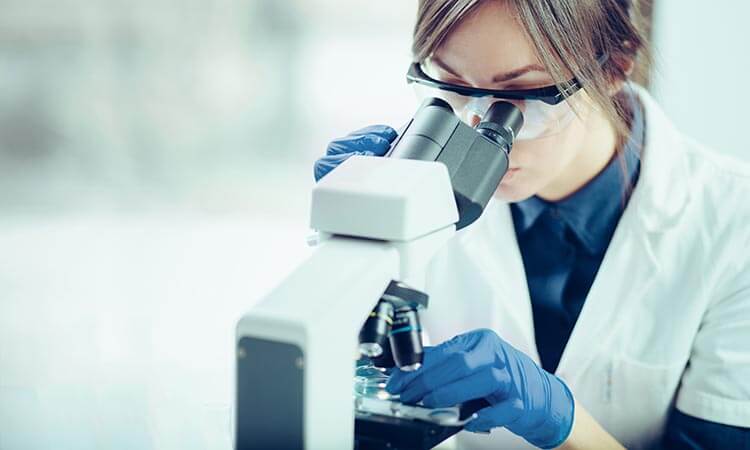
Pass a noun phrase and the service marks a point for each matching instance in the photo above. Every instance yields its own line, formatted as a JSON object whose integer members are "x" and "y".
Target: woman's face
{"x": 490, "y": 49}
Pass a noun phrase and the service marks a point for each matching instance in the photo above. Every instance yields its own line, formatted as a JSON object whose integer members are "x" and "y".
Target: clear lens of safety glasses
{"x": 539, "y": 119}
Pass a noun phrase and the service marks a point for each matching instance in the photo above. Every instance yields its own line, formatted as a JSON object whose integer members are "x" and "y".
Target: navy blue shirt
{"x": 563, "y": 243}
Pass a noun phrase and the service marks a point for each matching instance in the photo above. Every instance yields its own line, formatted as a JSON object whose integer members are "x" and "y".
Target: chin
{"x": 511, "y": 194}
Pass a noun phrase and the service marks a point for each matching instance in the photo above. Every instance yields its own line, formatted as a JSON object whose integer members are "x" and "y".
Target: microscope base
{"x": 378, "y": 432}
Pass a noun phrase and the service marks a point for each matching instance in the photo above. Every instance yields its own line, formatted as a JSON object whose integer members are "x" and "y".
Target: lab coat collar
{"x": 592, "y": 212}
{"x": 662, "y": 190}
{"x": 633, "y": 261}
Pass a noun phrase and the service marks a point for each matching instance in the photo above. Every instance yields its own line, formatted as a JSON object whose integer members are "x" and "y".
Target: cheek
{"x": 545, "y": 157}
{"x": 538, "y": 156}
{"x": 541, "y": 161}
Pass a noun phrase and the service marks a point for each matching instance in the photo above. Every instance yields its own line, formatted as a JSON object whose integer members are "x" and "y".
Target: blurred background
{"x": 155, "y": 168}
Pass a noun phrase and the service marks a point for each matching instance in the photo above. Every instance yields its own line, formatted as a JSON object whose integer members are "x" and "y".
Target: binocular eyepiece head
{"x": 476, "y": 158}
{"x": 501, "y": 123}
{"x": 391, "y": 335}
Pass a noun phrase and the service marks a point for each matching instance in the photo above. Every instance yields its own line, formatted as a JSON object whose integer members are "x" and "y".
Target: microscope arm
{"x": 296, "y": 348}
{"x": 386, "y": 219}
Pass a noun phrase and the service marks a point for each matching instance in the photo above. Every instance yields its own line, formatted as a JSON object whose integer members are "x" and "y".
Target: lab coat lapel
{"x": 498, "y": 256}
{"x": 631, "y": 262}
{"x": 627, "y": 272}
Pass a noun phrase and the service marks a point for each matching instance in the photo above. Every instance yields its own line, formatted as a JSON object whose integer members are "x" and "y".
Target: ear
{"x": 625, "y": 64}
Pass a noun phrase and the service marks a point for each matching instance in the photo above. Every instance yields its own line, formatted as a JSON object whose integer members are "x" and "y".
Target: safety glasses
{"x": 550, "y": 95}
{"x": 544, "y": 109}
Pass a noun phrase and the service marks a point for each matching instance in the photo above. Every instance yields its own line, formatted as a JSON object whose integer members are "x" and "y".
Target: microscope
{"x": 313, "y": 355}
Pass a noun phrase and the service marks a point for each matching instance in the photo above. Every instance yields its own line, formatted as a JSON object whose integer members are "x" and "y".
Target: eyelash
{"x": 507, "y": 87}
{"x": 454, "y": 81}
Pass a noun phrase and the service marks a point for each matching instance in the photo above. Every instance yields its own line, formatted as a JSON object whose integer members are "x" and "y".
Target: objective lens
{"x": 373, "y": 337}
{"x": 406, "y": 339}
{"x": 370, "y": 349}
{"x": 385, "y": 360}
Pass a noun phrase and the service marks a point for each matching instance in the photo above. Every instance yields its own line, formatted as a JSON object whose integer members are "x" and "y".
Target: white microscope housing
{"x": 381, "y": 219}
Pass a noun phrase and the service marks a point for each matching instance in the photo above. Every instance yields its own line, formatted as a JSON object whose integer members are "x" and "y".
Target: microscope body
{"x": 380, "y": 220}
{"x": 296, "y": 348}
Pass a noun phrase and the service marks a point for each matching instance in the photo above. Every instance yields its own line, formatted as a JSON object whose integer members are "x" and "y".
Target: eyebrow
{"x": 500, "y": 77}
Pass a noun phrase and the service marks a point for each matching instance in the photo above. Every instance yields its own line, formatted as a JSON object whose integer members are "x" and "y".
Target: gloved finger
{"x": 454, "y": 366}
{"x": 451, "y": 360}
{"x": 366, "y": 142}
{"x": 327, "y": 163}
{"x": 399, "y": 378}
{"x": 479, "y": 384}
{"x": 478, "y": 427}
{"x": 428, "y": 379}
{"x": 383, "y": 131}
{"x": 434, "y": 356}
{"x": 461, "y": 342}
{"x": 499, "y": 415}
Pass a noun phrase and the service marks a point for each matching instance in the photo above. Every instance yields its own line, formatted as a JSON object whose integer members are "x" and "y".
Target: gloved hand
{"x": 374, "y": 140}
{"x": 526, "y": 399}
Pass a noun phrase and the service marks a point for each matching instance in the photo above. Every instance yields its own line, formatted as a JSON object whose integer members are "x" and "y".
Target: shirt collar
{"x": 593, "y": 211}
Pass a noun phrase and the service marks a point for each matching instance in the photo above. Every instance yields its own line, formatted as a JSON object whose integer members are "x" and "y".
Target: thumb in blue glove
{"x": 525, "y": 399}
{"x": 374, "y": 140}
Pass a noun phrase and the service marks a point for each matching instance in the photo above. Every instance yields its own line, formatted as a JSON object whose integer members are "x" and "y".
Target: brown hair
{"x": 569, "y": 37}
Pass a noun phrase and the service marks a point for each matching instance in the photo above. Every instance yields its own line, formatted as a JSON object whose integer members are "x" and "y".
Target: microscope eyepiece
{"x": 434, "y": 101}
{"x": 501, "y": 123}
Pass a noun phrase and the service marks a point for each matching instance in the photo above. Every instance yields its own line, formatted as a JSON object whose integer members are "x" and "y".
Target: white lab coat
{"x": 667, "y": 318}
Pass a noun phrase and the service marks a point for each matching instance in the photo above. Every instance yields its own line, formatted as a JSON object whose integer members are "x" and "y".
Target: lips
{"x": 509, "y": 174}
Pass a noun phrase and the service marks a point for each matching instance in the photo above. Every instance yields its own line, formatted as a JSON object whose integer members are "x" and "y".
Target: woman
{"x": 607, "y": 297}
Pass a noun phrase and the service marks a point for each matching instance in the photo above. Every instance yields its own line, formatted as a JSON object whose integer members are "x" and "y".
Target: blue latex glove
{"x": 374, "y": 140}
{"x": 525, "y": 399}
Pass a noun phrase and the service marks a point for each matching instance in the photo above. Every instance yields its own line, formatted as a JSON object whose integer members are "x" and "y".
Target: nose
{"x": 472, "y": 118}
{"x": 474, "y": 110}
